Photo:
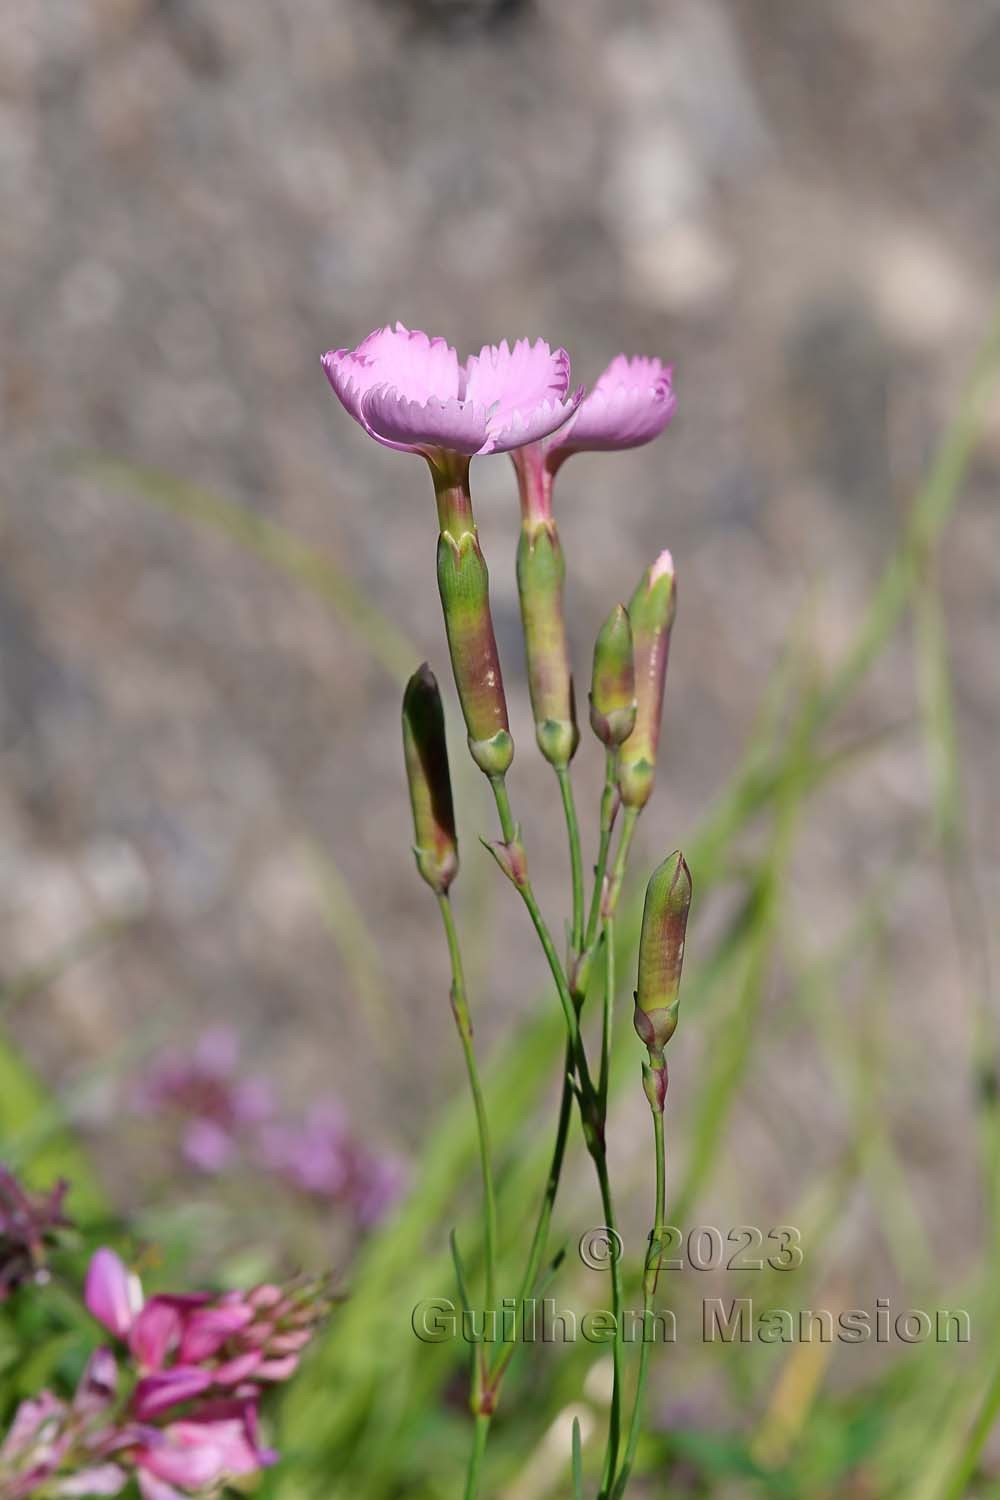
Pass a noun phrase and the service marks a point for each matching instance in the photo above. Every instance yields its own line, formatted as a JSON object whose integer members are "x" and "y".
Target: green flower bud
{"x": 612, "y": 684}
{"x": 651, "y": 611}
{"x": 463, "y": 582}
{"x": 661, "y": 952}
{"x": 426, "y": 755}
{"x": 541, "y": 569}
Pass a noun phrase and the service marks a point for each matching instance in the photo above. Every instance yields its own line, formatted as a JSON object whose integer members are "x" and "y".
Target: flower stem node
{"x": 511, "y": 858}
{"x": 578, "y": 973}
{"x": 661, "y": 953}
{"x": 426, "y": 754}
{"x": 460, "y": 1011}
{"x": 654, "y": 1081}
{"x": 612, "y": 686}
{"x": 484, "y": 1403}
{"x": 541, "y": 570}
{"x": 651, "y": 611}
{"x": 651, "y": 1266}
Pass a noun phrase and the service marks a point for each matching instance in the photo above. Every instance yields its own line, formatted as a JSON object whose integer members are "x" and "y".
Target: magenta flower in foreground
{"x": 410, "y": 392}
{"x": 65, "y": 1448}
{"x": 183, "y": 1419}
{"x": 185, "y": 1346}
{"x": 200, "y": 1451}
{"x": 92, "y": 1447}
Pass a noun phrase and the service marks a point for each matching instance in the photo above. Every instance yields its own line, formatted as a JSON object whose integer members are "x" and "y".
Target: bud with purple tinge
{"x": 661, "y": 953}
{"x": 612, "y": 687}
{"x": 426, "y": 755}
{"x": 651, "y": 611}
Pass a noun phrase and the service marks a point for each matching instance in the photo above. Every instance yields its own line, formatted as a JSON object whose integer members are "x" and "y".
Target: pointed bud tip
{"x": 617, "y": 626}
{"x": 663, "y": 567}
{"x": 672, "y": 878}
{"x": 612, "y": 692}
{"x": 421, "y": 690}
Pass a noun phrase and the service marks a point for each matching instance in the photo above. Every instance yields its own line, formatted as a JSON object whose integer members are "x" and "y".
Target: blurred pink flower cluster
{"x": 187, "y": 1419}
{"x": 228, "y": 1119}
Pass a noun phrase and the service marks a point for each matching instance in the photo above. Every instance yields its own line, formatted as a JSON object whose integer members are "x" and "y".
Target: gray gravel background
{"x": 797, "y": 205}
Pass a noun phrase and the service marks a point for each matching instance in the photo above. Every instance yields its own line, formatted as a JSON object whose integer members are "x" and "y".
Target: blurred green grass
{"x": 372, "y": 1413}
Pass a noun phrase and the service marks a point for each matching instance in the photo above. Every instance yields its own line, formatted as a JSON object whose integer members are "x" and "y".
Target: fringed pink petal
{"x": 631, "y": 403}
{"x": 392, "y": 418}
{"x": 522, "y": 379}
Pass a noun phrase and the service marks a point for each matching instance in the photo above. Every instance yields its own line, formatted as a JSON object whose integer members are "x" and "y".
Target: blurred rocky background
{"x": 797, "y": 205}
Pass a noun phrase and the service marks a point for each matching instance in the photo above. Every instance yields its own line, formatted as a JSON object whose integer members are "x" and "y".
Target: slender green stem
{"x": 603, "y": 909}
{"x": 460, "y": 1006}
{"x": 609, "y": 1014}
{"x": 591, "y": 1115}
{"x": 617, "y": 1302}
{"x": 661, "y": 1187}
{"x": 507, "y": 824}
{"x": 621, "y": 858}
{"x": 544, "y": 1220}
{"x": 541, "y": 1234}
{"x": 540, "y": 1237}
{"x": 509, "y": 828}
{"x": 549, "y": 949}
{"x": 592, "y": 1109}
{"x": 609, "y": 800}
{"x": 481, "y": 1433}
{"x": 648, "y": 1290}
{"x": 575, "y": 856}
